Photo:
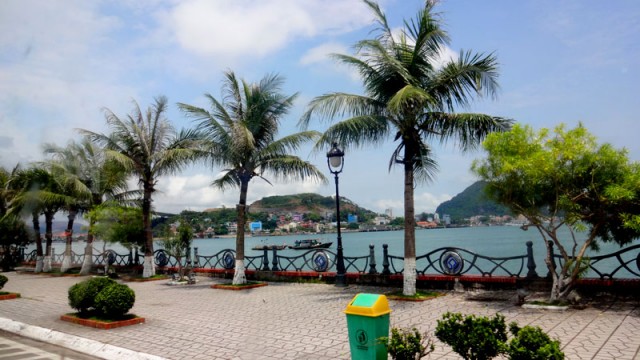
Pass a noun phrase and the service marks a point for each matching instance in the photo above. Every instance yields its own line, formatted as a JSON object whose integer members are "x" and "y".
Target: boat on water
{"x": 269, "y": 247}
{"x": 309, "y": 244}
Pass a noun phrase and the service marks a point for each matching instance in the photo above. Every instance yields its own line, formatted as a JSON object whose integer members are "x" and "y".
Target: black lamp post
{"x": 335, "y": 162}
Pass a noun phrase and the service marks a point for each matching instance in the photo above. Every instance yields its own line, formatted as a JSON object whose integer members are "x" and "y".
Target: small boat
{"x": 309, "y": 244}
{"x": 269, "y": 247}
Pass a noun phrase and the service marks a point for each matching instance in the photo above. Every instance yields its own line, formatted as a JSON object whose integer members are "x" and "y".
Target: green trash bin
{"x": 367, "y": 322}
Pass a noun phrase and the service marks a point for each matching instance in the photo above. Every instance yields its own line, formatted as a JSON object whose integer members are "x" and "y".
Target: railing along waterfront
{"x": 453, "y": 261}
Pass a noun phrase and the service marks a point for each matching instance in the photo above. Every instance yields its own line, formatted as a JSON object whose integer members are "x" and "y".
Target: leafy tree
{"x": 147, "y": 146}
{"x": 564, "y": 178}
{"x": 241, "y": 133}
{"x": 397, "y": 221}
{"x": 118, "y": 224}
{"x": 411, "y": 99}
{"x": 179, "y": 245}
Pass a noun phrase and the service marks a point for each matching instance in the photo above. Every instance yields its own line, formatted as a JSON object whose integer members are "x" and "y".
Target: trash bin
{"x": 367, "y": 322}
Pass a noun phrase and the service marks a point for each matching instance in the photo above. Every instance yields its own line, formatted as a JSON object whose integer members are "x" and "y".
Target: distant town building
{"x": 447, "y": 219}
{"x": 389, "y": 213}
{"x": 436, "y": 217}
{"x": 381, "y": 220}
{"x": 426, "y": 224}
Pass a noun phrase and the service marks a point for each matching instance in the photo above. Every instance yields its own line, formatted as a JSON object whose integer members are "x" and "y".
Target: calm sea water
{"x": 494, "y": 241}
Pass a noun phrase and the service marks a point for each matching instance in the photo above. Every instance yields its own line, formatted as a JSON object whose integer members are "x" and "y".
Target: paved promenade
{"x": 289, "y": 321}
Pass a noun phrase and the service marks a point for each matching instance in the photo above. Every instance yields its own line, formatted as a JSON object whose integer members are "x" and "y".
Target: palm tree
{"x": 20, "y": 189}
{"x": 94, "y": 178}
{"x": 38, "y": 192}
{"x": 410, "y": 98}
{"x": 241, "y": 134}
{"x": 13, "y": 231}
{"x": 147, "y": 146}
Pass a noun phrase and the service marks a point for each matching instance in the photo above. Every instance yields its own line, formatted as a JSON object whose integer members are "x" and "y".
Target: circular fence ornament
{"x": 161, "y": 258}
{"x": 228, "y": 260}
{"x": 638, "y": 261}
{"x": 111, "y": 257}
{"x": 451, "y": 263}
{"x": 320, "y": 261}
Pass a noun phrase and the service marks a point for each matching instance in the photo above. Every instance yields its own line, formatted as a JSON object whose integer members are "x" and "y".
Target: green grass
{"x": 419, "y": 295}
{"x": 547, "y": 303}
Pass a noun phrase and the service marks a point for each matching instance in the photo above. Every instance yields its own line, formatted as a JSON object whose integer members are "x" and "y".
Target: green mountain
{"x": 309, "y": 203}
{"x": 471, "y": 202}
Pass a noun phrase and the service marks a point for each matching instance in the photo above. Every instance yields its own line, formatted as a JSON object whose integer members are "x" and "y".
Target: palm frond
{"x": 467, "y": 129}
{"x": 355, "y": 132}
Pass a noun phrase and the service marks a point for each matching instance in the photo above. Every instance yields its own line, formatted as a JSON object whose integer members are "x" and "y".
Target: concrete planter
{"x": 237, "y": 287}
{"x": 9, "y": 296}
{"x": 102, "y": 324}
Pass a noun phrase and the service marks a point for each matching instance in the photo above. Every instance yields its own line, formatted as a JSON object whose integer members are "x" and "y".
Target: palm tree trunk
{"x": 239, "y": 277}
{"x": 409, "y": 273}
{"x": 149, "y": 268}
{"x": 48, "y": 234}
{"x": 87, "y": 262}
{"x": 66, "y": 259}
{"x": 36, "y": 229}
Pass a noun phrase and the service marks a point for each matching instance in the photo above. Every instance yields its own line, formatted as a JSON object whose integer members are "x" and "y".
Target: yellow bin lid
{"x": 370, "y": 305}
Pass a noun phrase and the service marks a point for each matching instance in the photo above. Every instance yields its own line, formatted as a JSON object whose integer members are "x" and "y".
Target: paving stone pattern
{"x": 303, "y": 321}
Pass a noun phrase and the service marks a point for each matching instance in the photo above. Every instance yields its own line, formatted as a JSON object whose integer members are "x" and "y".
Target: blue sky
{"x": 61, "y": 62}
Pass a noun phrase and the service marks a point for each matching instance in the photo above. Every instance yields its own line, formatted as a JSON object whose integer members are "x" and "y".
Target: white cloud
{"x": 321, "y": 53}
{"x": 427, "y": 202}
{"x": 177, "y": 193}
{"x": 235, "y": 29}
{"x": 445, "y": 55}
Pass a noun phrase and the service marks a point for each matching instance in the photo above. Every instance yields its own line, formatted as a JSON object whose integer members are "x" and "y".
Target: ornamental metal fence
{"x": 621, "y": 264}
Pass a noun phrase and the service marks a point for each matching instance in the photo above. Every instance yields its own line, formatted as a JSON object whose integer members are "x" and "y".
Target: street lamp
{"x": 335, "y": 162}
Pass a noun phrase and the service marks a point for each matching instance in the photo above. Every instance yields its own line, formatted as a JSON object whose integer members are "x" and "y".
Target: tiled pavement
{"x": 301, "y": 321}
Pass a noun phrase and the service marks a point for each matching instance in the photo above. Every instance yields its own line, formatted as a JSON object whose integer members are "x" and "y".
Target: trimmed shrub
{"x": 82, "y": 295}
{"x": 3, "y": 280}
{"x": 408, "y": 344}
{"x": 474, "y": 338}
{"x": 531, "y": 343}
{"x": 115, "y": 300}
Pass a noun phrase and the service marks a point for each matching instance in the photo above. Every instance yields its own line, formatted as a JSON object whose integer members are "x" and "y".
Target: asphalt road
{"x": 16, "y": 347}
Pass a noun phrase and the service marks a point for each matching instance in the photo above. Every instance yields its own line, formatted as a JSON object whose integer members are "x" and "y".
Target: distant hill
{"x": 61, "y": 225}
{"x": 470, "y": 202}
{"x": 308, "y": 203}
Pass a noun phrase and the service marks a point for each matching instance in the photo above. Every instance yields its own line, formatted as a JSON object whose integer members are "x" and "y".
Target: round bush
{"x": 3, "y": 280}
{"x": 76, "y": 297}
{"x": 82, "y": 295}
{"x": 115, "y": 300}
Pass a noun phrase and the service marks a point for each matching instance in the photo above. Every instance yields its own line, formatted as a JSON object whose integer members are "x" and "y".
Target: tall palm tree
{"x": 146, "y": 145}
{"x": 241, "y": 132}
{"x": 39, "y": 192}
{"x": 13, "y": 230}
{"x": 94, "y": 179}
{"x": 410, "y": 98}
{"x": 20, "y": 190}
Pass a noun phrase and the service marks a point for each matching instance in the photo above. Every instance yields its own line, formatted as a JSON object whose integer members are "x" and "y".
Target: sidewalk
{"x": 289, "y": 321}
